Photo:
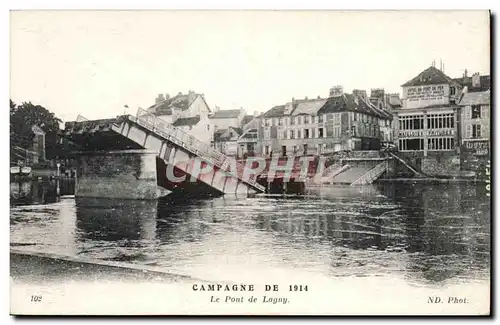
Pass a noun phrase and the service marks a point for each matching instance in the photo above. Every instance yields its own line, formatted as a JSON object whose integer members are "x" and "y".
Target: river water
{"x": 420, "y": 234}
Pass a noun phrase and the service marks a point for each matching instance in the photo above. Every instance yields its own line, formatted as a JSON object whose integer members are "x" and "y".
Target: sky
{"x": 93, "y": 63}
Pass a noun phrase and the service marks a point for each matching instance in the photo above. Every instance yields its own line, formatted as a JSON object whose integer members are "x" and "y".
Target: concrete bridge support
{"x": 122, "y": 174}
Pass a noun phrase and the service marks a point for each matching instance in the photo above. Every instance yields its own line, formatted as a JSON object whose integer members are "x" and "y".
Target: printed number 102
{"x": 297, "y": 287}
{"x": 36, "y": 298}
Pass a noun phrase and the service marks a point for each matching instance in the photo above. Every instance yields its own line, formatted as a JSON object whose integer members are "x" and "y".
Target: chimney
{"x": 305, "y": 98}
{"x": 359, "y": 93}
{"x": 159, "y": 99}
{"x": 319, "y": 97}
{"x": 255, "y": 113}
{"x": 476, "y": 80}
{"x": 191, "y": 96}
{"x": 293, "y": 100}
{"x": 179, "y": 94}
{"x": 465, "y": 73}
{"x": 336, "y": 91}
{"x": 167, "y": 96}
{"x": 216, "y": 109}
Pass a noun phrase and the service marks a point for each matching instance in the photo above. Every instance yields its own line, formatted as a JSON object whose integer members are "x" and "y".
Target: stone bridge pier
{"x": 120, "y": 174}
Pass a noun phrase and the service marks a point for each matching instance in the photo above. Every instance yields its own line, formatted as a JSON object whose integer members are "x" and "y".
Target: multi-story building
{"x": 223, "y": 119}
{"x": 324, "y": 125}
{"x": 189, "y": 112}
{"x": 475, "y": 113}
{"x": 426, "y": 129}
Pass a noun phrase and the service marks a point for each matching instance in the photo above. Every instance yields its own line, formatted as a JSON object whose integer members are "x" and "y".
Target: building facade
{"x": 187, "y": 105}
{"x": 427, "y": 131}
{"x": 189, "y": 112}
{"x": 324, "y": 125}
{"x": 475, "y": 119}
{"x": 224, "y": 119}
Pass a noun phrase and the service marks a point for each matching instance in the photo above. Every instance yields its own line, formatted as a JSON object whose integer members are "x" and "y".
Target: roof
{"x": 276, "y": 111}
{"x": 347, "y": 102}
{"x": 228, "y": 113}
{"x": 165, "y": 107}
{"x": 484, "y": 83}
{"x": 250, "y": 134}
{"x": 430, "y": 76}
{"x": 476, "y": 98}
{"x": 187, "y": 121}
{"x": 310, "y": 107}
{"x": 223, "y": 134}
{"x": 247, "y": 119}
{"x": 393, "y": 101}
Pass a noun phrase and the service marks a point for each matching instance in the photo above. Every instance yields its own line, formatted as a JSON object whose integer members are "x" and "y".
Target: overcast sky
{"x": 95, "y": 62}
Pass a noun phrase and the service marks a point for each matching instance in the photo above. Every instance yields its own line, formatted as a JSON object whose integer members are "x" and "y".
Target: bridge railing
{"x": 189, "y": 142}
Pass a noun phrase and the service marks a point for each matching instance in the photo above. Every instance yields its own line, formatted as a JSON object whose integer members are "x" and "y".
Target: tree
{"x": 23, "y": 117}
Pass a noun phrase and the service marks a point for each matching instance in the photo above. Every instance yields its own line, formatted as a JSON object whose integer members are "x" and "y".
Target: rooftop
{"x": 187, "y": 121}
{"x": 476, "y": 98}
{"x": 228, "y": 113}
{"x": 430, "y": 76}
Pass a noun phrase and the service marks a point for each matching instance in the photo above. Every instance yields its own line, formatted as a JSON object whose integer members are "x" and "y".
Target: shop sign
{"x": 411, "y": 134}
{"x": 440, "y": 133}
{"x": 477, "y": 147}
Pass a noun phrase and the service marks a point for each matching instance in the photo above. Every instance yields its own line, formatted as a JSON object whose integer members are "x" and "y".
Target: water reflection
{"x": 24, "y": 192}
{"x": 426, "y": 233}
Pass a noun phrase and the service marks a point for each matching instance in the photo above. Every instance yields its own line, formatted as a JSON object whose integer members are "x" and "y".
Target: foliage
{"x": 23, "y": 117}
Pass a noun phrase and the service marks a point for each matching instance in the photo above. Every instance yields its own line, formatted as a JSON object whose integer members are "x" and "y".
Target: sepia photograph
{"x": 250, "y": 162}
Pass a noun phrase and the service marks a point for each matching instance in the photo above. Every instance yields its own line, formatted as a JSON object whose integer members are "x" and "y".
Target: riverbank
{"x": 30, "y": 266}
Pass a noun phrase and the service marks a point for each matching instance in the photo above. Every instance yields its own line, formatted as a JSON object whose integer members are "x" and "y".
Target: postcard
{"x": 205, "y": 162}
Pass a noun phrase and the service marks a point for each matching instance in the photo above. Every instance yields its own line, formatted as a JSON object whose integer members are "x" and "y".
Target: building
{"x": 325, "y": 125}
{"x": 475, "y": 117}
{"x": 426, "y": 129}
{"x": 224, "y": 119}
{"x": 198, "y": 126}
{"x": 226, "y": 140}
{"x": 189, "y": 112}
{"x": 187, "y": 105}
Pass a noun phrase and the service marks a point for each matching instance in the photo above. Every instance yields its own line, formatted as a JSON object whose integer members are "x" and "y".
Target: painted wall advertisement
{"x": 477, "y": 147}
{"x": 427, "y": 95}
{"x": 431, "y": 92}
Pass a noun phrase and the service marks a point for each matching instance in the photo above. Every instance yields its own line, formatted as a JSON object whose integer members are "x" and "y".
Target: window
{"x": 266, "y": 122}
{"x": 266, "y": 150}
{"x": 320, "y": 130}
{"x": 320, "y": 118}
{"x": 306, "y": 119}
{"x": 298, "y": 134}
{"x": 476, "y": 131}
{"x": 336, "y": 118}
{"x": 280, "y": 121}
{"x": 476, "y": 111}
{"x": 297, "y": 119}
{"x": 292, "y": 136}
{"x": 267, "y": 134}
{"x": 354, "y": 116}
{"x": 440, "y": 121}
{"x": 306, "y": 133}
{"x": 411, "y": 144}
{"x": 440, "y": 144}
{"x": 452, "y": 91}
{"x": 292, "y": 121}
